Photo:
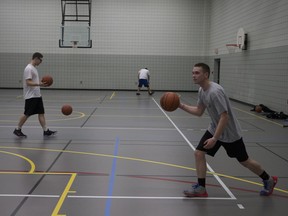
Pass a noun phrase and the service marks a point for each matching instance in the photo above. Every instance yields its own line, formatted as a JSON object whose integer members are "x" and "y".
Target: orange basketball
{"x": 66, "y": 109}
{"x": 258, "y": 109}
{"x": 47, "y": 79}
{"x": 170, "y": 101}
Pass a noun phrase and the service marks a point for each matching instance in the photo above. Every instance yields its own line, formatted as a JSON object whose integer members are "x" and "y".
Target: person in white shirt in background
{"x": 144, "y": 79}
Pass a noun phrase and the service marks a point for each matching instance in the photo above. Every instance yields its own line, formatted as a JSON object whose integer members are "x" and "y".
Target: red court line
{"x": 150, "y": 178}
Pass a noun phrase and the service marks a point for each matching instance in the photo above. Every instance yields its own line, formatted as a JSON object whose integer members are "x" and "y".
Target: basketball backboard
{"x": 75, "y": 24}
{"x": 241, "y": 39}
{"x": 75, "y": 36}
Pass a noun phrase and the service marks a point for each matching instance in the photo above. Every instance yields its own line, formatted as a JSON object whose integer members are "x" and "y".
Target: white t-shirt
{"x": 144, "y": 74}
{"x": 30, "y": 72}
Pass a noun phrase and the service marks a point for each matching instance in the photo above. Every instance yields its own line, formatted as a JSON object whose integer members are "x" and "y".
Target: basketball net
{"x": 74, "y": 44}
{"x": 231, "y": 48}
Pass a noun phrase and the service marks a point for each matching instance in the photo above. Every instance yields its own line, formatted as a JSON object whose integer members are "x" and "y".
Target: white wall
{"x": 26, "y": 26}
{"x": 150, "y": 27}
{"x": 260, "y": 74}
{"x": 121, "y": 27}
{"x": 265, "y": 21}
{"x": 167, "y": 36}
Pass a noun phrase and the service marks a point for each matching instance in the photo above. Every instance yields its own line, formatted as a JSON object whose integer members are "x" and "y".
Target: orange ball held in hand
{"x": 47, "y": 79}
{"x": 170, "y": 101}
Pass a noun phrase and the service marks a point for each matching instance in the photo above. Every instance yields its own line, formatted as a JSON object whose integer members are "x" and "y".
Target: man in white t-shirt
{"x": 143, "y": 79}
{"x": 33, "y": 99}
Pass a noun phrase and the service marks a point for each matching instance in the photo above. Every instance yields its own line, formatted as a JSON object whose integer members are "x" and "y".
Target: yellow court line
{"x": 32, "y": 169}
{"x": 63, "y": 196}
{"x": 36, "y": 173}
{"x": 140, "y": 160}
{"x": 251, "y": 114}
{"x": 113, "y": 94}
{"x": 65, "y": 192}
{"x": 81, "y": 115}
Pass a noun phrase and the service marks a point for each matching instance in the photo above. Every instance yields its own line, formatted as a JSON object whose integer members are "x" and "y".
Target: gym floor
{"x": 121, "y": 154}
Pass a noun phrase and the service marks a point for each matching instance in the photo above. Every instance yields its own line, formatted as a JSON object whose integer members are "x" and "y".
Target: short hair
{"x": 204, "y": 66}
{"x": 37, "y": 55}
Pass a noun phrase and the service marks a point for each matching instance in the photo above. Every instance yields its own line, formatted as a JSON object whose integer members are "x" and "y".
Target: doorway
{"x": 216, "y": 72}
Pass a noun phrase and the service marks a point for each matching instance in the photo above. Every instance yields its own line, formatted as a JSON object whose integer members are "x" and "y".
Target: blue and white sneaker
{"x": 197, "y": 191}
{"x": 269, "y": 186}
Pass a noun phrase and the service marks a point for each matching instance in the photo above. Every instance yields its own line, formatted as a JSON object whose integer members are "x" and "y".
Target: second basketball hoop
{"x": 232, "y": 48}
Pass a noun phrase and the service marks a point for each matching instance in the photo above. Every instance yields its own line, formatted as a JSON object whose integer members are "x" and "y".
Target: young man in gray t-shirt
{"x": 224, "y": 130}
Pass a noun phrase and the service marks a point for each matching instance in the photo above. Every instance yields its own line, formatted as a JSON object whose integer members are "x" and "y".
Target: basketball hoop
{"x": 74, "y": 44}
{"x": 231, "y": 47}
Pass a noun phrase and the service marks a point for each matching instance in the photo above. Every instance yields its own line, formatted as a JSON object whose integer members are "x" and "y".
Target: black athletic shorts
{"x": 235, "y": 149}
{"x": 34, "y": 106}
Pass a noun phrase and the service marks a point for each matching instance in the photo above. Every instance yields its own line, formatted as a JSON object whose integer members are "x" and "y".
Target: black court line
{"x": 39, "y": 181}
{"x": 251, "y": 201}
{"x": 89, "y": 117}
{"x": 279, "y": 156}
{"x": 91, "y": 114}
{"x": 249, "y": 123}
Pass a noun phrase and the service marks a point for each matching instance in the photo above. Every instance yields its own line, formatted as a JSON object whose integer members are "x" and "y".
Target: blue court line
{"x": 112, "y": 180}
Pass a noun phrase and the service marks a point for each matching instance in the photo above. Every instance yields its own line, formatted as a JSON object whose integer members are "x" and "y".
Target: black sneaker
{"x": 151, "y": 93}
{"x": 19, "y": 133}
{"x": 137, "y": 93}
{"x": 49, "y": 132}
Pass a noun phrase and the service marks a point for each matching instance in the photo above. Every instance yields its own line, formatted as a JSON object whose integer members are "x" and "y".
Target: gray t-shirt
{"x": 216, "y": 102}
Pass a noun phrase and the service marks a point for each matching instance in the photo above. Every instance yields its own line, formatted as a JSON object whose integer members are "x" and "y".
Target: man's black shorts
{"x": 235, "y": 149}
{"x": 34, "y": 106}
